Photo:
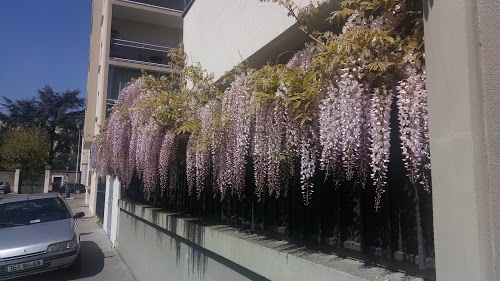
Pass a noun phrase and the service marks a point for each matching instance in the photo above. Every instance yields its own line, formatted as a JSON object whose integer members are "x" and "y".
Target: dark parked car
{"x": 4, "y": 187}
{"x": 38, "y": 234}
{"x": 75, "y": 188}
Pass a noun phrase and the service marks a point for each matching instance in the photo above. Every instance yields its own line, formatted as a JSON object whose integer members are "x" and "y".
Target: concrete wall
{"x": 85, "y": 166}
{"x": 489, "y": 38}
{"x": 463, "y": 63}
{"x": 106, "y": 223}
{"x": 91, "y": 200}
{"x": 8, "y": 176}
{"x": 115, "y": 209}
{"x": 183, "y": 249}
{"x": 220, "y": 34}
{"x": 72, "y": 176}
{"x": 92, "y": 72}
{"x": 156, "y": 35}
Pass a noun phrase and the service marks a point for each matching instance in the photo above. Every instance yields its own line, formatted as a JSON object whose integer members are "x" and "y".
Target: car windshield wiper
{"x": 9, "y": 224}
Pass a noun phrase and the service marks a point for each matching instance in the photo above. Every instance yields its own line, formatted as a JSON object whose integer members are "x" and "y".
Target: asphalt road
{"x": 100, "y": 262}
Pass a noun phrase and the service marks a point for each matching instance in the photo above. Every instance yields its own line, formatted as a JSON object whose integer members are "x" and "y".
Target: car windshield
{"x": 32, "y": 212}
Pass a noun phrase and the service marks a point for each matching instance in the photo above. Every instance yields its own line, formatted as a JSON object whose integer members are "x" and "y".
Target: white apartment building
{"x": 127, "y": 37}
{"x": 463, "y": 67}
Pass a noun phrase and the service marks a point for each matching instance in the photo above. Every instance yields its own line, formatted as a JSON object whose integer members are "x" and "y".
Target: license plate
{"x": 24, "y": 266}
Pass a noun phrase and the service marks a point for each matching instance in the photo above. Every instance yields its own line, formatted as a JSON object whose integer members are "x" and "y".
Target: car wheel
{"x": 2, "y": 191}
{"x": 77, "y": 191}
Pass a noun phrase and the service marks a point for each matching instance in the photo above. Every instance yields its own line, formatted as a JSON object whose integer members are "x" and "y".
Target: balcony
{"x": 136, "y": 52}
{"x": 109, "y": 106}
{"x": 177, "y": 5}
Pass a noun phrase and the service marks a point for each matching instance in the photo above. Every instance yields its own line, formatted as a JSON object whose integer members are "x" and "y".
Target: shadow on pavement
{"x": 92, "y": 264}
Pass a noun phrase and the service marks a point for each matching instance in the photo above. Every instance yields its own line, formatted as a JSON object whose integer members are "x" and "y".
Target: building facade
{"x": 462, "y": 63}
{"x": 127, "y": 37}
{"x": 463, "y": 66}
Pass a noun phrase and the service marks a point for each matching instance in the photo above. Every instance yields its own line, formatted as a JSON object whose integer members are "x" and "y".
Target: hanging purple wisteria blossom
{"x": 166, "y": 160}
{"x": 307, "y": 165}
{"x": 259, "y": 149}
{"x": 204, "y": 149}
{"x": 191, "y": 164}
{"x": 130, "y": 93}
{"x": 118, "y": 134}
{"x": 236, "y": 108}
{"x": 120, "y": 128}
{"x": 413, "y": 124}
{"x": 150, "y": 144}
{"x": 380, "y": 136}
{"x": 342, "y": 122}
{"x": 303, "y": 58}
{"x": 346, "y": 129}
{"x": 101, "y": 159}
{"x": 278, "y": 158}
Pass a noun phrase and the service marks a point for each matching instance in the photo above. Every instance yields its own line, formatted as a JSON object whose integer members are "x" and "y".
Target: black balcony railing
{"x": 139, "y": 52}
{"x": 178, "y": 5}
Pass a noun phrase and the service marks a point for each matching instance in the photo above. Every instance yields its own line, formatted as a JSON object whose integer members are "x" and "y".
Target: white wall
{"x": 107, "y": 204}
{"x": 182, "y": 249}
{"x": 93, "y": 193}
{"x": 463, "y": 67}
{"x": 220, "y": 33}
{"x": 489, "y": 36}
{"x": 115, "y": 212}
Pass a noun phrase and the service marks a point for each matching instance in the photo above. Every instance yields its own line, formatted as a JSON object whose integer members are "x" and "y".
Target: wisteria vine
{"x": 328, "y": 108}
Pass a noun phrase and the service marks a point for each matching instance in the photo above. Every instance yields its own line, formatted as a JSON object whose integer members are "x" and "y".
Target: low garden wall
{"x": 160, "y": 245}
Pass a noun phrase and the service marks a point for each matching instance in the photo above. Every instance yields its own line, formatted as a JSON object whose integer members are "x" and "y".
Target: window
{"x": 32, "y": 212}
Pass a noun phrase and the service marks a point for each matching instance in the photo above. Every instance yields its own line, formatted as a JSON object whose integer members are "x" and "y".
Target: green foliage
{"x": 25, "y": 147}
{"x": 59, "y": 114}
{"x": 174, "y": 101}
{"x": 379, "y": 41}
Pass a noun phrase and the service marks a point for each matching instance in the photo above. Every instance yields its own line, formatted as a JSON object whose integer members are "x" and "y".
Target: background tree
{"x": 27, "y": 147}
{"x": 59, "y": 114}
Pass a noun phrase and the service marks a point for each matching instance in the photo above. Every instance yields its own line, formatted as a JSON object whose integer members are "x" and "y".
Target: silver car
{"x": 38, "y": 233}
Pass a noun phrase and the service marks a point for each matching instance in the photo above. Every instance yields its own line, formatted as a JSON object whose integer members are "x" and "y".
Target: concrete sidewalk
{"x": 100, "y": 262}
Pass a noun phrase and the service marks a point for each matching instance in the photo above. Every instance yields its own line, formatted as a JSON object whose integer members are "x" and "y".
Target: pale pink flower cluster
{"x": 135, "y": 145}
{"x": 342, "y": 120}
{"x": 348, "y": 136}
{"x": 166, "y": 161}
{"x": 151, "y": 142}
{"x": 380, "y": 136}
{"x": 307, "y": 165}
{"x": 413, "y": 124}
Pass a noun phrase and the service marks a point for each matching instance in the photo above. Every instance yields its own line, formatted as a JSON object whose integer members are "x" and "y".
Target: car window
{"x": 33, "y": 212}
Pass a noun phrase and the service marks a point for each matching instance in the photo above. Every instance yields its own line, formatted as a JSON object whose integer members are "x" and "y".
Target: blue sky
{"x": 43, "y": 42}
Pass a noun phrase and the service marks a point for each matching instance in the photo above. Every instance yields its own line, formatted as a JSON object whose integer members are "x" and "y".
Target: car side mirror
{"x": 79, "y": 215}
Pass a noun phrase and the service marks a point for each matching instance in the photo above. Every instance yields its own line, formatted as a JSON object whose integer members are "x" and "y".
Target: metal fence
{"x": 35, "y": 184}
{"x": 139, "y": 52}
{"x": 178, "y": 5}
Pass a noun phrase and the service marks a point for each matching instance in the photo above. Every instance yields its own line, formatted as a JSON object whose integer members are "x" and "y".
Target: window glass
{"x": 32, "y": 212}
